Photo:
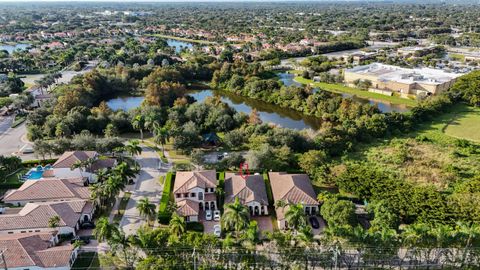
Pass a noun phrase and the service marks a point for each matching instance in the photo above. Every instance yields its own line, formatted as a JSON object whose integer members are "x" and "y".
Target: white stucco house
{"x": 198, "y": 189}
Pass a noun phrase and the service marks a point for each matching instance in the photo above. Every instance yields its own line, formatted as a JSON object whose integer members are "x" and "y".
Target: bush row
{"x": 163, "y": 212}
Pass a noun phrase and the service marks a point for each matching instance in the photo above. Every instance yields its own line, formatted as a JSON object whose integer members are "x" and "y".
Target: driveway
{"x": 147, "y": 185}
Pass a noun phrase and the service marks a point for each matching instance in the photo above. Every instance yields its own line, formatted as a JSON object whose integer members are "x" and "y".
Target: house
{"x": 62, "y": 168}
{"x": 36, "y": 251}
{"x": 292, "y": 189}
{"x": 35, "y": 217}
{"x": 195, "y": 188}
{"x": 48, "y": 190}
{"x": 250, "y": 191}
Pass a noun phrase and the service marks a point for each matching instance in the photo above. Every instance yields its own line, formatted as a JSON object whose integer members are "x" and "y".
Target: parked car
{"x": 83, "y": 239}
{"x": 314, "y": 222}
{"x": 217, "y": 230}
{"x": 208, "y": 215}
{"x": 87, "y": 225}
{"x": 216, "y": 215}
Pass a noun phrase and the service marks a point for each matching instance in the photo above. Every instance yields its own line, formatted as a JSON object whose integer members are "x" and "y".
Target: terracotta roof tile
{"x": 247, "y": 190}
{"x": 49, "y": 190}
{"x": 71, "y": 157}
{"x": 184, "y": 181}
{"x": 34, "y": 249}
{"x": 187, "y": 208}
{"x": 292, "y": 188}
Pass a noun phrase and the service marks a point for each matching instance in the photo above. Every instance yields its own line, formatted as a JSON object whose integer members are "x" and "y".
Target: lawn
{"x": 13, "y": 179}
{"x": 339, "y": 88}
{"x": 429, "y": 154}
{"x": 465, "y": 124}
{"x": 185, "y": 39}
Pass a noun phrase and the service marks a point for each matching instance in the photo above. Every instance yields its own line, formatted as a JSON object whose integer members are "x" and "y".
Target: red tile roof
{"x": 246, "y": 190}
{"x": 49, "y": 190}
{"x": 34, "y": 249}
{"x": 185, "y": 181}
{"x": 292, "y": 188}
{"x": 187, "y": 208}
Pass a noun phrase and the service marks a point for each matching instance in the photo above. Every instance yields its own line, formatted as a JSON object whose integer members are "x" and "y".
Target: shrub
{"x": 195, "y": 226}
{"x": 33, "y": 162}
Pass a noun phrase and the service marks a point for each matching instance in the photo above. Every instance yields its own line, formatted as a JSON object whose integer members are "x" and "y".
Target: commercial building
{"x": 389, "y": 79}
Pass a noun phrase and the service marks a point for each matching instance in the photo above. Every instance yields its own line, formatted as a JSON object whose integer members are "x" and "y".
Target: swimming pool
{"x": 34, "y": 175}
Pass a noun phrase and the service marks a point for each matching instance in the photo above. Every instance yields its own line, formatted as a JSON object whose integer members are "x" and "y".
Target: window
{"x": 192, "y": 195}
{"x": 10, "y": 232}
{"x": 200, "y": 196}
{"x": 178, "y": 195}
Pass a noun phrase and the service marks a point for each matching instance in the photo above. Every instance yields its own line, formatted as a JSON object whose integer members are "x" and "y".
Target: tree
{"x": 111, "y": 130}
{"x": 235, "y": 217}
{"x": 53, "y": 222}
{"x": 161, "y": 136}
{"x": 146, "y": 209}
{"x": 338, "y": 213}
{"x": 314, "y": 163}
{"x": 138, "y": 123}
{"x": 177, "y": 225}
{"x": 467, "y": 87}
{"x": 133, "y": 148}
{"x": 295, "y": 216}
{"x": 104, "y": 230}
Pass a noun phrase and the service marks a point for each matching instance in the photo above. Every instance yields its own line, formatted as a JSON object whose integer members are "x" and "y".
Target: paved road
{"x": 12, "y": 139}
{"x": 147, "y": 185}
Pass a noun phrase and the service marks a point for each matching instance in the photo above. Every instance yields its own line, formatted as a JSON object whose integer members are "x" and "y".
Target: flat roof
{"x": 405, "y": 75}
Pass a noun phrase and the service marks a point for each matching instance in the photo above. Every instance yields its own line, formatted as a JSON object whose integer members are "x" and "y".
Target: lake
{"x": 178, "y": 44}
{"x": 268, "y": 113}
{"x": 12, "y": 48}
{"x": 383, "y": 106}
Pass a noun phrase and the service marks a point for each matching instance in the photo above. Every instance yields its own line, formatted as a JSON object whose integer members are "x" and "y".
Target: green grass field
{"x": 184, "y": 39}
{"x": 339, "y": 88}
{"x": 465, "y": 124}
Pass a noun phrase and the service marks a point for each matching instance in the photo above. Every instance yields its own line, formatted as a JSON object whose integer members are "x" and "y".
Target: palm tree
{"x": 138, "y": 123}
{"x": 104, "y": 230}
{"x": 124, "y": 171}
{"x": 235, "y": 217}
{"x": 295, "y": 216}
{"x": 133, "y": 148}
{"x": 84, "y": 165}
{"x": 53, "y": 222}
{"x": 177, "y": 225}
{"x": 146, "y": 209}
{"x": 161, "y": 136}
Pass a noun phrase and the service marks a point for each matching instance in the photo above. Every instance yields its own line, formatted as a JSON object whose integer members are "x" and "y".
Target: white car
{"x": 208, "y": 215}
{"x": 216, "y": 215}
{"x": 217, "y": 230}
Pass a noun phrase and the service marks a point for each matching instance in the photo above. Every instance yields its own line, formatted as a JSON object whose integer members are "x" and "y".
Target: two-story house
{"x": 195, "y": 192}
{"x": 250, "y": 190}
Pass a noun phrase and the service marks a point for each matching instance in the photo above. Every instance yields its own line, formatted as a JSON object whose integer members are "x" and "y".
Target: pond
{"x": 125, "y": 103}
{"x": 268, "y": 113}
{"x": 383, "y": 106}
{"x": 178, "y": 44}
{"x": 12, "y": 48}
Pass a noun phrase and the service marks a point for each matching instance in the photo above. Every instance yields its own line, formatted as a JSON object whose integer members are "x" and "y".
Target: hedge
{"x": 195, "y": 226}
{"x": 33, "y": 162}
{"x": 163, "y": 214}
{"x": 10, "y": 185}
{"x": 221, "y": 184}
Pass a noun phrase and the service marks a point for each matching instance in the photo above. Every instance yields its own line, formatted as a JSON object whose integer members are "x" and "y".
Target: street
{"x": 147, "y": 185}
{"x": 12, "y": 139}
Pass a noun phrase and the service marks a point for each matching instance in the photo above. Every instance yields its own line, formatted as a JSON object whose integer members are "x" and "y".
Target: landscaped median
{"x": 339, "y": 88}
{"x": 164, "y": 214}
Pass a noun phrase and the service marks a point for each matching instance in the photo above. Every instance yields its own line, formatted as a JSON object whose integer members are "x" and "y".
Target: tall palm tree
{"x": 161, "y": 136}
{"x": 83, "y": 165}
{"x": 104, "y": 230}
{"x": 177, "y": 225}
{"x": 138, "y": 123}
{"x": 133, "y": 148}
{"x": 124, "y": 171}
{"x": 146, "y": 209}
{"x": 295, "y": 216}
{"x": 236, "y": 217}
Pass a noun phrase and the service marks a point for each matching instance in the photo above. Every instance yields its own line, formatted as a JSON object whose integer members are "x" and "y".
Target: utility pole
{"x": 3, "y": 259}
{"x": 194, "y": 260}
{"x": 335, "y": 257}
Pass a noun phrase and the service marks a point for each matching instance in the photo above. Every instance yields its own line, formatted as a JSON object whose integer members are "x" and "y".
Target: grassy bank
{"x": 206, "y": 42}
{"x": 464, "y": 124}
{"x": 339, "y": 88}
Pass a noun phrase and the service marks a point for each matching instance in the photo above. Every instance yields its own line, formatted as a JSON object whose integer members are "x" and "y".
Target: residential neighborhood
{"x": 239, "y": 135}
